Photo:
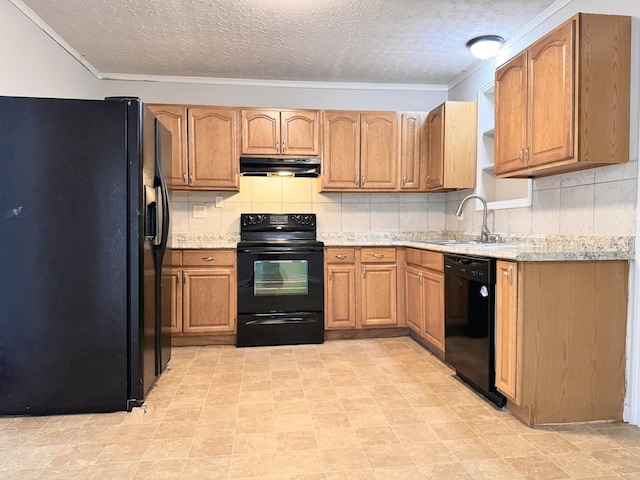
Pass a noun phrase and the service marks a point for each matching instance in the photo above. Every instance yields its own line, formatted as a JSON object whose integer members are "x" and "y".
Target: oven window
{"x": 280, "y": 277}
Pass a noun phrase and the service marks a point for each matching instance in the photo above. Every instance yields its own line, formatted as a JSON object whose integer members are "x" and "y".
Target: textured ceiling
{"x": 377, "y": 41}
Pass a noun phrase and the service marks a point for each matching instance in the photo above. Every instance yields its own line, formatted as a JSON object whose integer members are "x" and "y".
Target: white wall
{"x": 33, "y": 65}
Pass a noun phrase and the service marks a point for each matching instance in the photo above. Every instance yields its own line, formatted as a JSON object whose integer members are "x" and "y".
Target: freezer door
{"x": 64, "y": 288}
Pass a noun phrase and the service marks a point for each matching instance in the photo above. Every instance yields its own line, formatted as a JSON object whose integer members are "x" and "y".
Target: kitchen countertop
{"x": 510, "y": 247}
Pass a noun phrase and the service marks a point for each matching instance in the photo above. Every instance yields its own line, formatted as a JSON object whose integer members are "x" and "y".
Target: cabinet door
{"x": 340, "y": 308}
{"x": 510, "y": 115}
{"x": 341, "y": 151}
{"x": 551, "y": 103}
{"x": 213, "y": 148}
{"x": 261, "y": 132}
{"x": 433, "y": 320}
{"x": 176, "y": 301}
{"x": 506, "y": 328}
{"x": 174, "y": 118}
{"x": 300, "y": 133}
{"x": 410, "y": 158}
{"x": 378, "y": 301}
{"x": 209, "y": 300}
{"x": 414, "y": 302}
{"x": 379, "y": 150}
{"x": 435, "y": 148}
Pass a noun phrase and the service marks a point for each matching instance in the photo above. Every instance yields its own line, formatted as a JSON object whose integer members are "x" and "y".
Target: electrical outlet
{"x": 219, "y": 201}
{"x": 199, "y": 211}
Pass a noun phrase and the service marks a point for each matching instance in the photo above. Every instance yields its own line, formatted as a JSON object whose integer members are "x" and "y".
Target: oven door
{"x": 280, "y": 279}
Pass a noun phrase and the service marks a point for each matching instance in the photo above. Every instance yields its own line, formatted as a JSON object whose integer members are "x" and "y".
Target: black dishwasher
{"x": 470, "y": 322}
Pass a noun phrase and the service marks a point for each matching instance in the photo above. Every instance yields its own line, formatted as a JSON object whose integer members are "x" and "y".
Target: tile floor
{"x": 352, "y": 410}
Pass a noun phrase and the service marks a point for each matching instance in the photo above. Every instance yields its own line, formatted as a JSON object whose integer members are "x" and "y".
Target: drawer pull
{"x": 341, "y": 257}
{"x": 378, "y": 255}
{"x": 208, "y": 259}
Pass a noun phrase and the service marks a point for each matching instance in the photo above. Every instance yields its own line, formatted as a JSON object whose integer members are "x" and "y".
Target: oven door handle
{"x": 280, "y": 321}
{"x": 280, "y": 250}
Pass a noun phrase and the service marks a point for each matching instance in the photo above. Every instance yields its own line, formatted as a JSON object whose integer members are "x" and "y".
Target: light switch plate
{"x": 199, "y": 211}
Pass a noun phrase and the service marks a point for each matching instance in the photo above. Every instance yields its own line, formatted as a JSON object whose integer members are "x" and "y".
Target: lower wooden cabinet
{"x": 424, "y": 296}
{"x": 204, "y": 300}
{"x": 360, "y": 288}
{"x": 560, "y": 339}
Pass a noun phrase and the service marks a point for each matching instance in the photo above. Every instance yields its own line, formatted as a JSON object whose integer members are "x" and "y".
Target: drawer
{"x": 424, "y": 258}
{"x": 378, "y": 255}
{"x": 340, "y": 255}
{"x": 176, "y": 258}
{"x": 208, "y": 258}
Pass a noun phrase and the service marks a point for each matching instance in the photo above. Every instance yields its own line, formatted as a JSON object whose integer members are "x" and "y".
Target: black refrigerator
{"x": 85, "y": 292}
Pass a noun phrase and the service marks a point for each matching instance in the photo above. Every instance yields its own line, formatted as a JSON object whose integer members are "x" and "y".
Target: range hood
{"x": 274, "y": 166}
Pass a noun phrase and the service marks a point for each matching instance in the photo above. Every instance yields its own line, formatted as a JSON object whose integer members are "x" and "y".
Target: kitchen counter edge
{"x": 527, "y": 248}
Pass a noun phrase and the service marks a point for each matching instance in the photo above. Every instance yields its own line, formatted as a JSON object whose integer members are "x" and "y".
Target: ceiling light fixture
{"x": 485, "y": 46}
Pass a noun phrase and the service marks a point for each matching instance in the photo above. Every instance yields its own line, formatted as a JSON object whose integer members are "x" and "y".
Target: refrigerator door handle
{"x": 160, "y": 230}
{"x": 150, "y": 214}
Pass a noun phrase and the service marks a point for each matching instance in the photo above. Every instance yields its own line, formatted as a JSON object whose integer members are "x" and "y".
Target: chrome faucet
{"x": 485, "y": 233}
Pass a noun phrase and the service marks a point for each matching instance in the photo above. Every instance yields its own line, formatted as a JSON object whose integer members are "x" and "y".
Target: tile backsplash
{"x": 592, "y": 202}
{"x": 337, "y": 212}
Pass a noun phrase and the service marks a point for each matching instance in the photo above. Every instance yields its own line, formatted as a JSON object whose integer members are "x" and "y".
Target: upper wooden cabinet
{"x": 411, "y": 162}
{"x": 360, "y": 151}
{"x": 174, "y": 118}
{"x": 563, "y": 104}
{"x": 205, "y": 146}
{"x": 281, "y": 132}
{"x": 213, "y": 148}
{"x": 450, "y": 134}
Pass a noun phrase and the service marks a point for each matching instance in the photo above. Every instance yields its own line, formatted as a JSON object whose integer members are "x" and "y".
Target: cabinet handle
{"x": 283, "y": 147}
{"x": 208, "y": 259}
{"x": 190, "y": 178}
{"x": 404, "y": 180}
{"x": 178, "y": 276}
{"x": 364, "y": 272}
{"x": 357, "y": 180}
{"x": 184, "y": 177}
{"x": 521, "y": 156}
{"x": 278, "y": 146}
{"x": 341, "y": 257}
{"x": 362, "y": 181}
{"x": 526, "y": 156}
{"x": 330, "y": 273}
{"x": 428, "y": 177}
{"x": 420, "y": 275}
{"x": 509, "y": 279}
{"x": 378, "y": 255}
{"x": 184, "y": 278}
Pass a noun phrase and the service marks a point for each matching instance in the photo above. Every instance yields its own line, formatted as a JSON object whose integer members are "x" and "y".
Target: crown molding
{"x": 273, "y": 83}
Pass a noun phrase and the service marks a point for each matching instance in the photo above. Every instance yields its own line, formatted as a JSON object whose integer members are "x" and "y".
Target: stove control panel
{"x": 277, "y": 220}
